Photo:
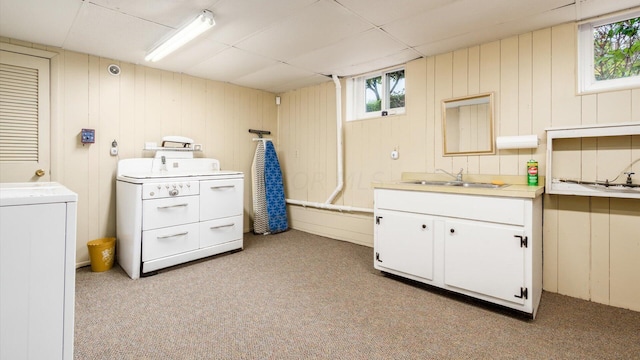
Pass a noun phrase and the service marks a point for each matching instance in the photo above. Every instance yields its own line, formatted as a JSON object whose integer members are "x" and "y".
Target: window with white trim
{"x": 376, "y": 94}
{"x": 609, "y": 53}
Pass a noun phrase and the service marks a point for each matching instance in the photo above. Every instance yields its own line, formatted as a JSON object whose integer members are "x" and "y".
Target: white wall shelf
{"x": 587, "y": 187}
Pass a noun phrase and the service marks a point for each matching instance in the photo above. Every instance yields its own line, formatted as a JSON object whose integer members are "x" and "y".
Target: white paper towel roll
{"x": 517, "y": 142}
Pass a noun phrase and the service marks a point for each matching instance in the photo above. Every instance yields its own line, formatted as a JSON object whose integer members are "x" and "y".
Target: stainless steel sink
{"x": 483, "y": 185}
{"x": 433, "y": 182}
{"x": 456, "y": 183}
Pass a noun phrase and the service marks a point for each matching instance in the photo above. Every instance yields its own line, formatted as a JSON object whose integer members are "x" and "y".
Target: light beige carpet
{"x": 299, "y": 296}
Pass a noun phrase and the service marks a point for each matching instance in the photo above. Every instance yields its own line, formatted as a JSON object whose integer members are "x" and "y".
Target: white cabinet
{"x": 37, "y": 271}
{"x": 485, "y": 258}
{"x": 408, "y": 242}
{"x": 488, "y": 247}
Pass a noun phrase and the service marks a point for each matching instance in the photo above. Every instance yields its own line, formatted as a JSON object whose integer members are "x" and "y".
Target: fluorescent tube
{"x": 202, "y": 23}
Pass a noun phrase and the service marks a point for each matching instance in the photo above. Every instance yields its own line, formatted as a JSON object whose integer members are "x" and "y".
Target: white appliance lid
{"x": 35, "y": 193}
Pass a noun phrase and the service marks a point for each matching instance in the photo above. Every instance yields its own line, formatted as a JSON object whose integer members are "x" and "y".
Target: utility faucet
{"x": 629, "y": 181}
{"x": 457, "y": 176}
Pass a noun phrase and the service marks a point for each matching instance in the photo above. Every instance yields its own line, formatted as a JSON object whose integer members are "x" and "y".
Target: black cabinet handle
{"x": 452, "y": 230}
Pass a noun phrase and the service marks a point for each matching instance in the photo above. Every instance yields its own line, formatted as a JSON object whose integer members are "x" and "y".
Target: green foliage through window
{"x": 617, "y": 50}
{"x": 393, "y": 91}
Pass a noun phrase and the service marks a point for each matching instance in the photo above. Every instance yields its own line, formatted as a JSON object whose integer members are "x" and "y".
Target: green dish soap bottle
{"x": 532, "y": 172}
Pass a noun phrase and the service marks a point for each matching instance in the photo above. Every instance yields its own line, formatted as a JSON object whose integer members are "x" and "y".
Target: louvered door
{"x": 24, "y": 118}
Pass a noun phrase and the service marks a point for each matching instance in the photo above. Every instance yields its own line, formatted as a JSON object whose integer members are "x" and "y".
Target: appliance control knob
{"x": 173, "y": 192}
{"x": 159, "y": 187}
{"x": 188, "y": 185}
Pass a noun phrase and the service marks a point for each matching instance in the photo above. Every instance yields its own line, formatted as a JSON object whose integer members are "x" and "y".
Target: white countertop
{"x": 35, "y": 193}
{"x": 517, "y": 186}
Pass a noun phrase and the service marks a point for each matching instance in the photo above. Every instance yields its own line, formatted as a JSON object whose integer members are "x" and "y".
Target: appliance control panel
{"x": 170, "y": 188}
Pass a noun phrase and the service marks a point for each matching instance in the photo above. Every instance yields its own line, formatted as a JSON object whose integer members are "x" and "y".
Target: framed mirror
{"x": 467, "y": 125}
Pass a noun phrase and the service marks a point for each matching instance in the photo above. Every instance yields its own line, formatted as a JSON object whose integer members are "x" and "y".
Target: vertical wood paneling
{"x": 473, "y": 85}
{"x": 635, "y": 105}
{"x": 541, "y": 90}
{"x": 565, "y": 105}
{"x": 550, "y": 244}
{"x": 459, "y": 87}
{"x": 508, "y": 122}
{"x": 600, "y": 255}
{"x": 614, "y": 107}
{"x": 490, "y": 82}
{"x": 433, "y": 110}
{"x": 443, "y": 85}
{"x": 413, "y": 152}
{"x": 525, "y": 122}
{"x": 75, "y": 105}
{"x": 625, "y": 252}
{"x": 109, "y": 125}
{"x": 574, "y": 246}
{"x": 126, "y": 137}
{"x": 93, "y": 158}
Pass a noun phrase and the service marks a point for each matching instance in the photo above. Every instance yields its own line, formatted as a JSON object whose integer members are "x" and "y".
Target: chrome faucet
{"x": 457, "y": 176}
{"x": 629, "y": 181}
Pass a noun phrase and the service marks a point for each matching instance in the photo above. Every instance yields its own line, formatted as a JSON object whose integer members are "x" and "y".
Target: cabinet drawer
{"x": 169, "y": 241}
{"x": 159, "y": 213}
{"x": 474, "y": 207}
{"x": 214, "y": 232}
{"x": 220, "y": 198}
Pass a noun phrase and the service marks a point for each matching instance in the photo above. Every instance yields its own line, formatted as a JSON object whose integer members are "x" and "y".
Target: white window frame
{"x": 356, "y": 96}
{"x": 587, "y": 82}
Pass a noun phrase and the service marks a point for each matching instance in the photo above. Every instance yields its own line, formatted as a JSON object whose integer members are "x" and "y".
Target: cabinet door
{"x": 169, "y": 241}
{"x": 220, "y": 231}
{"x": 404, "y": 242}
{"x": 485, "y": 258}
{"x": 221, "y": 198}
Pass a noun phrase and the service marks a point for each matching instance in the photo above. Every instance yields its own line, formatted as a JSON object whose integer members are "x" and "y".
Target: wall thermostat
{"x": 87, "y": 136}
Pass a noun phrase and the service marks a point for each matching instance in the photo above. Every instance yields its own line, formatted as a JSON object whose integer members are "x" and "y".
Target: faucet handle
{"x": 629, "y": 181}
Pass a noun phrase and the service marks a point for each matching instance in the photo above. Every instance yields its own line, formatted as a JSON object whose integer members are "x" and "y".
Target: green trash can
{"x": 102, "y": 253}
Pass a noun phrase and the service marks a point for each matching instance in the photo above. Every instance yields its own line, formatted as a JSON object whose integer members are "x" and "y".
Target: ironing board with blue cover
{"x": 269, "y": 204}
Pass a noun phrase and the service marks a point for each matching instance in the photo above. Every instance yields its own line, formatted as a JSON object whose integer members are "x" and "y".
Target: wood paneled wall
{"x": 140, "y": 105}
{"x": 591, "y": 245}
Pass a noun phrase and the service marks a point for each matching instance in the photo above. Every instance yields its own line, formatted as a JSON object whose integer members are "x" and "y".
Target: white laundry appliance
{"x": 37, "y": 270}
{"x": 174, "y": 208}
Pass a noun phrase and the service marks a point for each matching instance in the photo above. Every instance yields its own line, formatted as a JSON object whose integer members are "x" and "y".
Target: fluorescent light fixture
{"x": 202, "y": 23}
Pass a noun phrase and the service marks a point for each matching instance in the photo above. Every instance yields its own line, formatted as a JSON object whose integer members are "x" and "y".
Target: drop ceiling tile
{"x": 465, "y": 17}
{"x": 381, "y": 12}
{"x": 171, "y": 13}
{"x": 358, "y": 49}
{"x": 42, "y": 22}
{"x": 593, "y": 8}
{"x": 103, "y": 32}
{"x": 299, "y": 83}
{"x": 238, "y": 19}
{"x": 315, "y": 26}
{"x": 514, "y": 26}
{"x": 394, "y": 59}
{"x": 275, "y": 76}
{"x": 230, "y": 64}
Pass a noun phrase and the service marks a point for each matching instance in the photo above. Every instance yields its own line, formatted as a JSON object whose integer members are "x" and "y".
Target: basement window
{"x": 609, "y": 53}
{"x": 376, "y": 94}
